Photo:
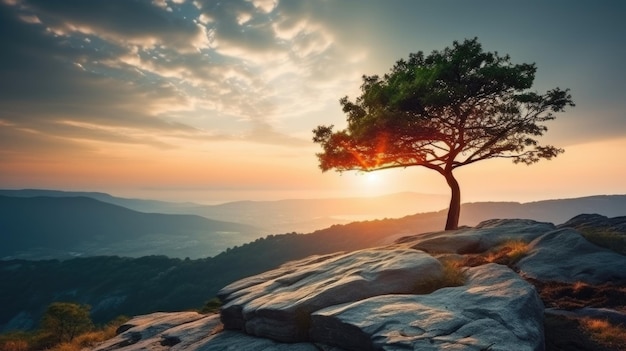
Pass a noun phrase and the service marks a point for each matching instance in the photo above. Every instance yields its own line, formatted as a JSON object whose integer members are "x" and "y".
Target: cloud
{"x": 118, "y": 70}
{"x": 125, "y": 22}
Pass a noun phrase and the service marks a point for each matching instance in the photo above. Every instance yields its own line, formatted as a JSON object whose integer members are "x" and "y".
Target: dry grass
{"x": 519, "y": 250}
{"x": 88, "y": 339}
{"x": 14, "y": 345}
{"x": 607, "y": 238}
{"x": 92, "y": 338}
{"x": 508, "y": 253}
{"x": 453, "y": 275}
{"x": 604, "y": 332}
{"x": 66, "y": 346}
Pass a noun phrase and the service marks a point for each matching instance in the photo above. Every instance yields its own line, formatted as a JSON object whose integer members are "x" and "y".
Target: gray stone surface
{"x": 278, "y": 304}
{"x": 481, "y": 238}
{"x": 496, "y": 310}
{"x": 162, "y": 331}
{"x": 564, "y": 255}
{"x": 192, "y": 332}
{"x": 596, "y": 221}
{"x": 237, "y": 341}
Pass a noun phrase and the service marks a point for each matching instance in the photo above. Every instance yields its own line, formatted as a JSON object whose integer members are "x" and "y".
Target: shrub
{"x": 211, "y": 306}
{"x": 65, "y": 320}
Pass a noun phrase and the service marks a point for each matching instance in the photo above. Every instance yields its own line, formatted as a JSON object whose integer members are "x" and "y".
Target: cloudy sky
{"x": 213, "y": 101}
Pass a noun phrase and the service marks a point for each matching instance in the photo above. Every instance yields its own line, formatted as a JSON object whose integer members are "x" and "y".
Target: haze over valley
{"x": 45, "y": 224}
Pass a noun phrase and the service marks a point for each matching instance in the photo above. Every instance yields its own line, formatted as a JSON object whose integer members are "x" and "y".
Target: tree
{"x": 64, "y": 320}
{"x": 449, "y": 109}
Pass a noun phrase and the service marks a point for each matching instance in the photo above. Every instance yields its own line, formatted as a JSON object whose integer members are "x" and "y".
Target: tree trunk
{"x": 454, "y": 210}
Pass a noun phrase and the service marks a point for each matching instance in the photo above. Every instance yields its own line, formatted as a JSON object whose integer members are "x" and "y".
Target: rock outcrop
{"x": 596, "y": 221}
{"x": 494, "y": 310}
{"x": 481, "y": 238}
{"x": 566, "y": 256}
{"x": 278, "y": 304}
{"x": 390, "y": 298}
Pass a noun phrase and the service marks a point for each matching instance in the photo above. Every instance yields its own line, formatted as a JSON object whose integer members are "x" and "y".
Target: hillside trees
{"x": 443, "y": 111}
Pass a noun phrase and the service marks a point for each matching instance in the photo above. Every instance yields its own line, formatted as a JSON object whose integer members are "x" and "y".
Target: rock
{"x": 495, "y": 310}
{"x": 161, "y": 331}
{"x": 564, "y": 255}
{"x": 591, "y": 221}
{"x": 481, "y": 238}
{"x": 612, "y": 316}
{"x": 237, "y": 341}
{"x": 278, "y": 304}
{"x": 177, "y": 331}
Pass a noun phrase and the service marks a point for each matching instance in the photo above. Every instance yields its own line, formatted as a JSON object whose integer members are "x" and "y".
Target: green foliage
{"x": 442, "y": 111}
{"x": 63, "y": 321}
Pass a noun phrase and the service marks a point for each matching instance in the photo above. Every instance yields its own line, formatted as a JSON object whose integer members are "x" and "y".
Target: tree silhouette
{"x": 442, "y": 111}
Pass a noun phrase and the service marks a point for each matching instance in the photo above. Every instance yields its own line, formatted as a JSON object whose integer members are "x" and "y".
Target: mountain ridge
{"x": 63, "y": 225}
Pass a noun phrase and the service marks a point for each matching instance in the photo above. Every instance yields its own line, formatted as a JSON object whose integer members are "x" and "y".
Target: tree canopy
{"x": 65, "y": 320}
{"x": 449, "y": 109}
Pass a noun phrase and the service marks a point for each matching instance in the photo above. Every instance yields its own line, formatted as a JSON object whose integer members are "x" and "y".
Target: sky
{"x": 213, "y": 101}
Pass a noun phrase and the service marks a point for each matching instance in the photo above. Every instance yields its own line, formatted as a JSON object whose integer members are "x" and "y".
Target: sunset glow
{"x": 215, "y": 101}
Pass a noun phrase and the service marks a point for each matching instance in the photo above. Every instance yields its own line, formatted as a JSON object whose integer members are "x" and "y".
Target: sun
{"x": 372, "y": 178}
{"x": 372, "y": 184}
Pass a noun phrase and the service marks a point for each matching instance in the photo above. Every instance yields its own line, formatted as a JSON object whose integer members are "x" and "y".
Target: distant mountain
{"x": 61, "y": 227}
{"x": 295, "y": 215}
{"x": 141, "y": 205}
{"x": 55, "y": 224}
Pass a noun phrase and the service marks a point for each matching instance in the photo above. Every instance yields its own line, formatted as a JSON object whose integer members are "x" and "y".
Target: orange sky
{"x": 183, "y": 100}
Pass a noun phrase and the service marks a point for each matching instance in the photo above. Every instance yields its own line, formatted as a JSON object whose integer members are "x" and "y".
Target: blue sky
{"x": 216, "y": 100}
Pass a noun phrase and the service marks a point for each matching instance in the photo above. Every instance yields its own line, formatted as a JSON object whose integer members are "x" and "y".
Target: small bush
{"x": 211, "y": 306}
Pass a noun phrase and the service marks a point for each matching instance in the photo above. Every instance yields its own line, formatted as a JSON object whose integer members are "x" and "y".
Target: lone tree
{"x": 443, "y": 111}
{"x": 64, "y": 320}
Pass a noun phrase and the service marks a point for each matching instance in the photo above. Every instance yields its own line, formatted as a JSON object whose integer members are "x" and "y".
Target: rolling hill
{"x": 62, "y": 227}
{"x": 280, "y": 216}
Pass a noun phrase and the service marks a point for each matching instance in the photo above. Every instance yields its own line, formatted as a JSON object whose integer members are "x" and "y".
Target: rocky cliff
{"x": 481, "y": 288}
